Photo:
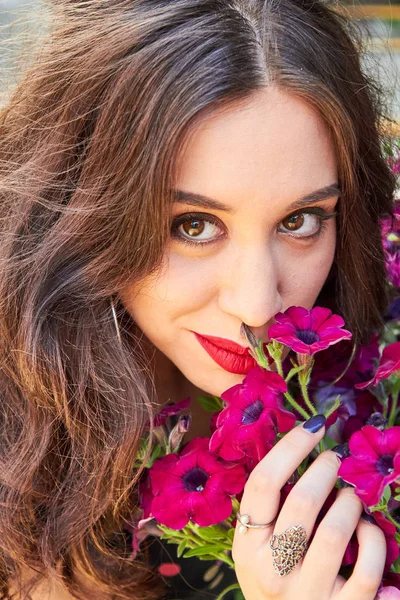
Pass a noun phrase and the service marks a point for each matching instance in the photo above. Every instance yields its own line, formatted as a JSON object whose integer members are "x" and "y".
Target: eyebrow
{"x": 329, "y": 191}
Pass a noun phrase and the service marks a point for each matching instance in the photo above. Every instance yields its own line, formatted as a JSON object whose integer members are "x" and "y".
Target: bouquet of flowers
{"x": 190, "y": 492}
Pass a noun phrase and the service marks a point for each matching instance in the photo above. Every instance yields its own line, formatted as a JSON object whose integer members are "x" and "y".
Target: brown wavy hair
{"x": 90, "y": 138}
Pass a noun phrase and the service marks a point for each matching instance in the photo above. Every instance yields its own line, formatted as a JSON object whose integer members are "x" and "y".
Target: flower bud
{"x": 177, "y": 433}
{"x": 377, "y": 420}
{"x": 246, "y": 332}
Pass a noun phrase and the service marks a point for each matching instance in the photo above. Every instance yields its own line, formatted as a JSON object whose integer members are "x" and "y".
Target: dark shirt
{"x": 191, "y": 578}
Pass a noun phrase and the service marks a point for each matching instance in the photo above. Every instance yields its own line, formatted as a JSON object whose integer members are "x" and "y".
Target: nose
{"x": 249, "y": 287}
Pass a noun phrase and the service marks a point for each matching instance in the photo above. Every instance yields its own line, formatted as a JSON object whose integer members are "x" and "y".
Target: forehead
{"x": 271, "y": 147}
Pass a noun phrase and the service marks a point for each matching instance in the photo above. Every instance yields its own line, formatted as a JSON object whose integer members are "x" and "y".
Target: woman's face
{"x": 248, "y": 237}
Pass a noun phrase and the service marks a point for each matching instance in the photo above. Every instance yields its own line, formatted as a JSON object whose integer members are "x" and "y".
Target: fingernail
{"x": 368, "y": 518}
{"x": 315, "y": 423}
{"x": 341, "y": 450}
{"x": 343, "y": 483}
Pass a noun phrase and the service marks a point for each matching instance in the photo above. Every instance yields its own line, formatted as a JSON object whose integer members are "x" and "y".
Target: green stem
{"x": 226, "y": 559}
{"x": 395, "y": 397}
{"x": 279, "y": 369}
{"x": 389, "y": 516}
{"x": 296, "y": 406}
{"x": 304, "y": 391}
{"x": 234, "y": 586}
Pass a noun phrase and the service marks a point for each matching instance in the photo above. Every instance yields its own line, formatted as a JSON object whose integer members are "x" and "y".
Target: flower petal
{"x": 320, "y": 316}
{"x": 365, "y": 444}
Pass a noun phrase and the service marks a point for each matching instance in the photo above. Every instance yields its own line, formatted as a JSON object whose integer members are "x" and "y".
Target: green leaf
{"x": 213, "y": 404}
{"x": 155, "y": 453}
{"x": 294, "y": 372}
{"x": 333, "y": 407}
{"x": 397, "y": 498}
{"x": 387, "y": 493}
{"x": 396, "y": 566}
{"x": 181, "y": 548}
{"x": 209, "y": 550}
{"x": 331, "y": 443}
{"x": 211, "y": 533}
{"x": 383, "y": 502}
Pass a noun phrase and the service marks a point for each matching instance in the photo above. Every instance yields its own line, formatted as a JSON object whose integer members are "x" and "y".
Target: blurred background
{"x": 380, "y": 21}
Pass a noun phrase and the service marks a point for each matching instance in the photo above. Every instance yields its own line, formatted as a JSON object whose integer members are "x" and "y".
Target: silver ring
{"x": 245, "y": 523}
{"x": 288, "y": 548}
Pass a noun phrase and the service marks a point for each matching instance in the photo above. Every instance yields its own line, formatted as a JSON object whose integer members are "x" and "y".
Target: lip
{"x": 227, "y": 354}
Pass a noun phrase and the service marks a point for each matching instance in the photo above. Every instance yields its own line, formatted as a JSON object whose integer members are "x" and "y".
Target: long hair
{"x": 90, "y": 139}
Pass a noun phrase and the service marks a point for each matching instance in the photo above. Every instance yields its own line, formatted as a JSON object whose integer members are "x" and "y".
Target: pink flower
{"x": 393, "y": 266}
{"x": 194, "y": 485}
{"x": 389, "y": 363}
{"x": 374, "y": 462}
{"x": 390, "y": 580}
{"x": 389, "y": 593}
{"x": 170, "y": 410}
{"x": 247, "y": 427}
{"x": 308, "y": 332}
{"x": 145, "y": 494}
{"x": 389, "y": 530}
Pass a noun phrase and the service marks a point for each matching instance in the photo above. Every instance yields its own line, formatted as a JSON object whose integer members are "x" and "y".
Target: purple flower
{"x": 389, "y": 364}
{"x": 247, "y": 427}
{"x": 194, "y": 485}
{"x": 374, "y": 462}
{"x": 308, "y": 332}
{"x": 392, "y": 261}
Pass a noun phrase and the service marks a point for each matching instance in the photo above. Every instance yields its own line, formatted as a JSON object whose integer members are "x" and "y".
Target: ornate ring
{"x": 288, "y": 549}
{"x": 245, "y": 524}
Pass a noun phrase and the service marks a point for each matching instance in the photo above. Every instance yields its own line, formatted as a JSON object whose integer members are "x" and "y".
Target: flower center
{"x": 195, "y": 480}
{"x": 252, "y": 412}
{"x": 385, "y": 464}
{"x": 307, "y": 336}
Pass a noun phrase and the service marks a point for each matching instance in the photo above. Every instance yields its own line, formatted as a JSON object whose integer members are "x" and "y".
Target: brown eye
{"x": 294, "y": 222}
{"x": 193, "y": 227}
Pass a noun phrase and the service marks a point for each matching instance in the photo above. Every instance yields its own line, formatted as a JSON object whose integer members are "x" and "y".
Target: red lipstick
{"x": 227, "y": 354}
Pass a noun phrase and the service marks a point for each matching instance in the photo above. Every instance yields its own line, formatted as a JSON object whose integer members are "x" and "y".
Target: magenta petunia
{"x": 194, "y": 485}
{"x": 248, "y": 425}
{"x": 308, "y": 332}
{"x": 374, "y": 462}
{"x": 392, "y": 548}
{"x": 389, "y": 364}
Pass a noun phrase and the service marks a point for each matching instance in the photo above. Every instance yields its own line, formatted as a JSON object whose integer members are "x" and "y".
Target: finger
{"x": 308, "y": 496}
{"x": 368, "y": 570}
{"x": 324, "y": 557}
{"x": 262, "y": 490}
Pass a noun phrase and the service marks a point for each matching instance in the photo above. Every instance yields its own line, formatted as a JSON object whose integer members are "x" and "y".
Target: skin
{"x": 256, "y": 158}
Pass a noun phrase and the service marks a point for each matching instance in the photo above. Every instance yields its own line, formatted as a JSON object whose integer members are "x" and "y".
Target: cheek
{"x": 180, "y": 286}
{"x": 304, "y": 273}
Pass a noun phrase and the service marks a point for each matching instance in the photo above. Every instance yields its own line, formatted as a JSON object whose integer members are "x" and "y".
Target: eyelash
{"x": 178, "y": 221}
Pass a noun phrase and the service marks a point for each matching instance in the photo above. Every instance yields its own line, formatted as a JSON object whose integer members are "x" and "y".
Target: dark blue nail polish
{"x": 368, "y": 518}
{"x": 341, "y": 450}
{"x": 344, "y": 484}
{"x": 315, "y": 423}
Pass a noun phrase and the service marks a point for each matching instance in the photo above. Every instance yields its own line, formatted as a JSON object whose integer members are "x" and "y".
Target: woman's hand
{"x": 316, "y": 576}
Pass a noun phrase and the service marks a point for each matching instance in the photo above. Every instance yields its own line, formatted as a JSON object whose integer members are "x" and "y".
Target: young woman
{"x": 169, "y": 171}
